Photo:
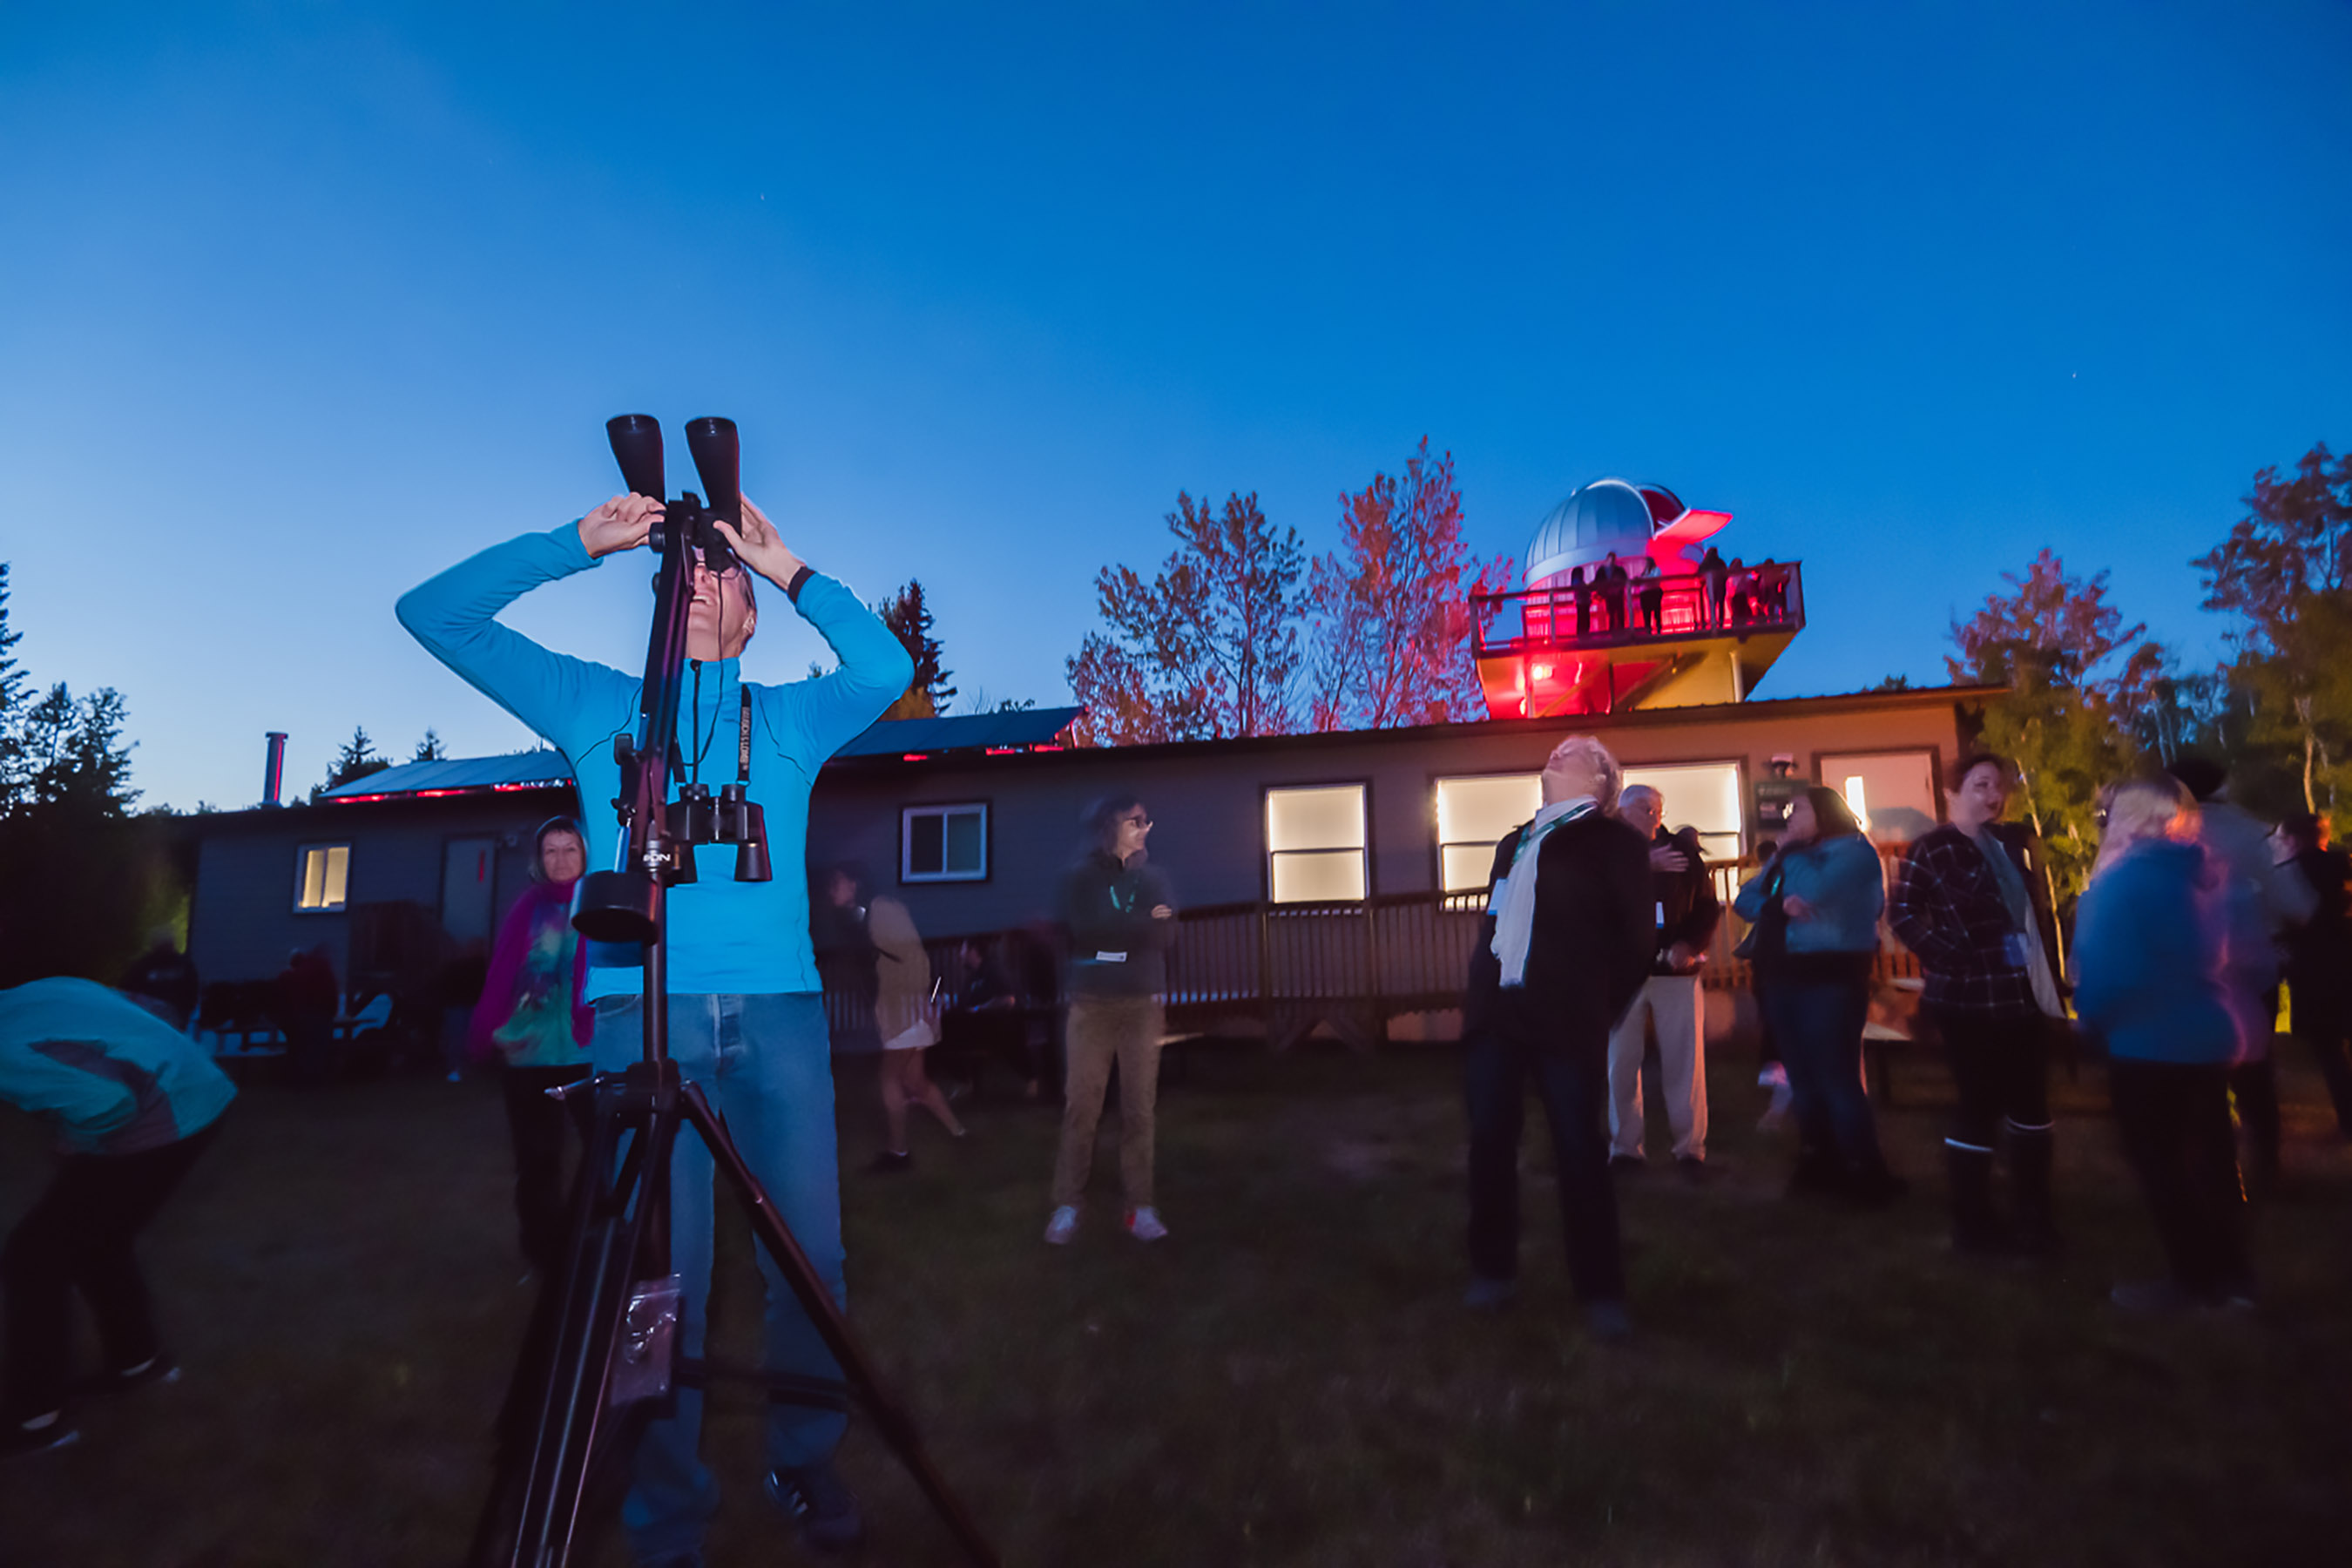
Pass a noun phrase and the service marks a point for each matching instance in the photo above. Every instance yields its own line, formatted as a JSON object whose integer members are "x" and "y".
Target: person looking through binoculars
{"x": 745, "y": 1014}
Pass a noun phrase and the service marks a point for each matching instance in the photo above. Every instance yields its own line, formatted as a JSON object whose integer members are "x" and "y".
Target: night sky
{"x": 303, "y": 302}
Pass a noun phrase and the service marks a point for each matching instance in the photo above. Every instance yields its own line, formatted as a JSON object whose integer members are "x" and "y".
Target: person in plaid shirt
{"x": 1971, "y": 900}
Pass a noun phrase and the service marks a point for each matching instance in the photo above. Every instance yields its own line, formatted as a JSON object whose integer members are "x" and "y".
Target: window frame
{"x": 1438, "y": 843}
{"x": 1934, "y": 768}
{"x": 302, "y": 853}
{"x": 1746, "y": 799}
{"x": 1267, "y": 852}
{"x": 910, "y": 878}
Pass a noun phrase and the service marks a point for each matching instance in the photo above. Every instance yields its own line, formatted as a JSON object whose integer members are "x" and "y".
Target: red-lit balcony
{"x": 1667, "y": 641}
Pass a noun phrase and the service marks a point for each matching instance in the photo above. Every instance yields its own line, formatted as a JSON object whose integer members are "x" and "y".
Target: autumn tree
{"x": 909, "y": 620}
{"x": 2078, "y": 679}
{"x": 1207, "y": 649}
{"x": 2286, "y": 572}
{"x": 1392, "y": 606}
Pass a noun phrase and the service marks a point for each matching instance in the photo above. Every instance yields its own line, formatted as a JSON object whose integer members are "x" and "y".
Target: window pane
{"x": 1319, "y": 876}
{"x": 339, "y": 870}
{"x": 1466, "y": 865}
{"x": 1897, "y": 792}
{"x": 926, "y": 844}
{"x": 314, "y": 876}
{"x": 1705, "y": 795}
{"x": 966, "y": 840}
{"x": 1330, "y": 817}
{"x": 1473, "y": 811}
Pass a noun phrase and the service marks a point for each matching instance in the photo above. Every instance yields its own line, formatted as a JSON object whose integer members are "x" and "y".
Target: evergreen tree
{"x": 357, "y": 760}
{"x": 909, "y": 620}
{"x": 430, "y": 749}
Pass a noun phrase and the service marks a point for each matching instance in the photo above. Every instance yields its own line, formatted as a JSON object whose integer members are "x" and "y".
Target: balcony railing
{"x": 1767, "y": 598}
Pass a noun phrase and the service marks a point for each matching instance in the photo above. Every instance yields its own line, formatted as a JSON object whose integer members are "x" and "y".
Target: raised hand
{"x": 761, "y": 547}
{"x": 621, "y": 524}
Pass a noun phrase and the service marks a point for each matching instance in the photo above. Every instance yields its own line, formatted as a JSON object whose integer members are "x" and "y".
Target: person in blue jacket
{"x": 2150, "y": 940}
{"x": 746, "y": 1014}
{"x": 1815, "y": 907}
{"x": 134, "y": 1103}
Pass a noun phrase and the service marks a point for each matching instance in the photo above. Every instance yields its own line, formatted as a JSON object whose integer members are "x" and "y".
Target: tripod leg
{"x": 897, "y": 1428}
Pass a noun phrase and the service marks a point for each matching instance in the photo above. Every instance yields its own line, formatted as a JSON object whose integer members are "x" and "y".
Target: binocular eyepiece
{"x": 717, "y": 457}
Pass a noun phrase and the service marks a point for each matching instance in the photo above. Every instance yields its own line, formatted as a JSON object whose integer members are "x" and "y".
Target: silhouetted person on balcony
{"x": 1772, "y": 587}
{"x": 1613, "y": 584}
{"x": 1735, "y": 595}
{"x": 1713, "y": 574}
{"x": 1653, "y": 594}
{"x": 1563, "y": 951}
{"x": 1584, "y": 602}
{"x": 2319, "y": 958}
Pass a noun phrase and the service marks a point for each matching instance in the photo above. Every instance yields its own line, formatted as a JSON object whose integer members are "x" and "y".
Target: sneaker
{"x": 820, "y": 1503}
{"x": 1607, "y": 1321}
{"x": 154, "y": 1369}
{"x": 1062, "y": 1226}
{"x": 2151, "y": 1298}
{"x": 891, "y": 1160}
{"x": 1486, "y": 1295}
{"x": 38, "y": 1436}
{"x": 1143, "y": 1224}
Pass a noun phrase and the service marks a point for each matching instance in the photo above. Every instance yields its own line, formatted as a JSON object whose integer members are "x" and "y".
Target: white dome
{"x": 1604, "y": 516}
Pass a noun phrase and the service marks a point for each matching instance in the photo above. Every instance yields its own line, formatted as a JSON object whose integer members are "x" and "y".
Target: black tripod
{"x": 599, "y": 1355}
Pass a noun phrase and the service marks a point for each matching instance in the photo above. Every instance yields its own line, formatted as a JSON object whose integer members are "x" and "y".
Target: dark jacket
{"x": 1947, "y": 910}
{"x": 1116, "y": 949}
{"x": 2319, "y": 951}
{"x": 1687, "y": 909}
{"x": 1592, "y": 945}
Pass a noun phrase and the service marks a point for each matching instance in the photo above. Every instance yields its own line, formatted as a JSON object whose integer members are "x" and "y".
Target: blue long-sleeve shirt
{"x": 725, "y": 936}
{"x": 105, "y": 1074}
{"x": 2150, "y": 943}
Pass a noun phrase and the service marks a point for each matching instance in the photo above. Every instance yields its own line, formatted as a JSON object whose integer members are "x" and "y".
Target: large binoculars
{"x": 718, "y": 457}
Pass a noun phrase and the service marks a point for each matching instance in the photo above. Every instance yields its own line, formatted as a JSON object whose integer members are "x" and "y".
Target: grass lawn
{"x": 1289, "y": 1379}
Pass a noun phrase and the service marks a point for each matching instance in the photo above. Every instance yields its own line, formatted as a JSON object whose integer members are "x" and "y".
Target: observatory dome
{"x": 1605, "y": 515}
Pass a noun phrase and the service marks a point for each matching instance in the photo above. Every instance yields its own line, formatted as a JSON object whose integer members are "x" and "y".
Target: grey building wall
{"x": 1207, "y": 801}
{"x": 244, "y": 923}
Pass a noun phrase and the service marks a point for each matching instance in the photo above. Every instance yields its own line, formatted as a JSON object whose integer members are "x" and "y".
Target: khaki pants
{"x": 1104, "y": 1029}
{"x": 1672, "y": 1002}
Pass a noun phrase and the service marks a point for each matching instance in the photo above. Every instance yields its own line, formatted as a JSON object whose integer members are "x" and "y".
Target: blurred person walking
{"x": 2319, "y": 957}
{"x": 2265, "y": 901}
{"x": 2149, "y": 940}
{"x": 134, "y": 1103}
{"x": 1566, "y": 946}
{"x": 1971, "y": 903}
{"x": 1686, "y": 911}
{"x": 532, "y": 1021}
{"x": 906, "y": 1014}
{"x": 1814, "y": 909}
{"x": 1120, "y": 918}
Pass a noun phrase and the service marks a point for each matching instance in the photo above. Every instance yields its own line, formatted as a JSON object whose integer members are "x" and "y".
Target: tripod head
{"x": 625, "y": 905}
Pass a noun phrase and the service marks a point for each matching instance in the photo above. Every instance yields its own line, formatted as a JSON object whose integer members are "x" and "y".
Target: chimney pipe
{"x": 273, "y": 772}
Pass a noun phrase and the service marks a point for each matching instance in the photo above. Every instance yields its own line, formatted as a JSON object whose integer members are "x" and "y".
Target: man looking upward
{"x": 746, "y": 1016}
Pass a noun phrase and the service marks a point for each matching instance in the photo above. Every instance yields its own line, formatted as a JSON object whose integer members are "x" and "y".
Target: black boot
{"x": 1976, "y": 1227}
{"x": 2029, "y": 1174}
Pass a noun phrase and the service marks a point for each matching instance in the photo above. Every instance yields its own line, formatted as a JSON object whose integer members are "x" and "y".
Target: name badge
{"x": 1662, "y": 914}
{"x": 2014, "y": 948}
{"x": 1110, "y": 958}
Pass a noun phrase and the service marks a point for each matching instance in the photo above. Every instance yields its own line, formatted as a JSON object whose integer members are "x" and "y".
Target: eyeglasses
{"x": 733, "y": 570}
{"x": 1137, "y": 821}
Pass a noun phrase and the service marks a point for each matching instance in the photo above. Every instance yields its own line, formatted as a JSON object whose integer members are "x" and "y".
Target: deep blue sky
{"x": 300, "y": 302}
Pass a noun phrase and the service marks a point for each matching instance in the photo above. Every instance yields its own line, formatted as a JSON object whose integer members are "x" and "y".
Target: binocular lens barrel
{"x": 718, "y": 459}
{"x": 638, "y": 445}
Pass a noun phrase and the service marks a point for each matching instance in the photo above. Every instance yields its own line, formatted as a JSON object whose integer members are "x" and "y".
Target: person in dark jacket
{"x": 1565, "y": 947}
{"x": 164, "y": 981}
{"x": 1686, "y": 911}
{"x": 1972, "y": 903}
{"x": 1120, "y": 918}
{"x": 2149, "y": 944}
{"x": 2319, "y": 957}
{"x": 1815, "y": 906}
{"x": 1716, "y": 575}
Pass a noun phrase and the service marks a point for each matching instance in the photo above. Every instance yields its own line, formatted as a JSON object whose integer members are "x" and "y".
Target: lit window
{"x": 1315, "y": 843}
{"x": 323, "y": 874}
{"x": 1472, "y": 814}
{"x": 1705, "y": 795}
{"x": 1893, "y": 793}
{"x": 943, "y": 844}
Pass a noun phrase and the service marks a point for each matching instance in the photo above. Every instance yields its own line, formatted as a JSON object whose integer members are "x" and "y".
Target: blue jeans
{"x": 766, "y": 1063}
{"x": 1817, "y": 1024}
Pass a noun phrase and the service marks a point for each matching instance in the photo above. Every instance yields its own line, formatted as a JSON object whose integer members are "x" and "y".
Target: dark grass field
{"x": 1289, "y": 1379}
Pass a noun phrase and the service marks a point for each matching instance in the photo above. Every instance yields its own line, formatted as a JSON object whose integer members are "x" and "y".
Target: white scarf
{"x": 1513, "y": 902}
